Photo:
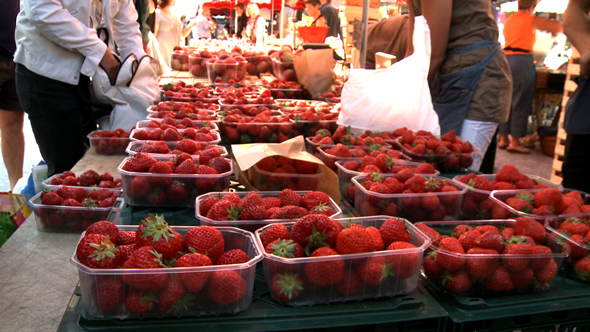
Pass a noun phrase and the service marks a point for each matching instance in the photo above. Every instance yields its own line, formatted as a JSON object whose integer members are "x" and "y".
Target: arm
{"x": 126, "y": 30}
{"x": 543, "y": 24}
{"x": 438, "y": 15}
{"x": 576, "y": 25}
{"x": 157, "y": 24}
{"x": 187, "y": 30}
{"x": 410, "y": 29}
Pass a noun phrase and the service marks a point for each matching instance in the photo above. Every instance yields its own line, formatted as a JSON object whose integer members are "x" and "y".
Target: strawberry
{"x": 226, "y": 287}
{"x": 456, "y": 282}
{"x": 500, "y": 280}
{"x": 97, "y": 251}
{"x": 178, "y": 191}
{"x": 193, "y": 281}
{"x": 350, "y": 285}
{"x": 141, "y": 303}
{"x": 173, "y": 298}
{"x": 447, "y": 257}
{"x": 314, "y": 198}
{"x": 286, "y": 287}
{"x": 519, "y": 205}
{"x": 482, "y": 263}
{"x": 108, "y": 293}
{"x": 547, "y": 273}
{"x": 186, "y": 167}
{"x": 575, "y": 226}
{"x": 233, "y": 198}
{"x": 521, "y": 251}
{"x": 253, "y": 210}
{"x": 430, "y": 202}
{"x": 404, "y": 175}
{"x": 490, "y": 240}
{"x": 187, "y": 145}
{"x": 223, "y": 210}
{"x": 290, "y": 212}
{"x": 51, "y": 198}
{"x": 289, "y": 197}
{"x": 541, "y": 255}
{"x": 72, "y": 181}
{"x": 377, "y": 241}
{"x": 220, "y": 164}
{"x": 157, "y": 196}
{"x": 432, "y": 271}
{"x": 139, "y": 187}
{"x": 235, "y": 256}
{"x": 125, "y": 237}
{"x": 207, "y": 179}
{"x": 305, "y": 167}
{"x": 145, "y": 258}
{"x": 431, "y": 233}
{"x": 140, "y": 162}
{"x": 374, "y": 270}
{"x": 468, "y": 238}
{"x": 105, "y": 228}
{"x": 522, "y": 278}
{"x": 530, "y": 227}
{"x": 425, "y": 168}
{"x": 207, "y": 155}
{"x": 353, "y": 240}
{"x": 582, "y": 269}
{"x": 155, "y": 232}
{"x": 72, "y": 192}
{"x": 552, "y": 198}
{"x": 274, "y": 232}
{"x": 508, "y": 173}
{"x": 487, "y": 228}
{"x": 404, "y": 265}
{"x": 578, "y": 245}
{"x": 205, "y": 240}
{"x": 393, "y": 230}
{"x": 460, "y": 229}
{"x": 322, "y": 273}
{"x": 416, "y": 184}
{"x": 315, "y": 230}
{"x": 395, "y": 187}
{"x": 352, "y": 165}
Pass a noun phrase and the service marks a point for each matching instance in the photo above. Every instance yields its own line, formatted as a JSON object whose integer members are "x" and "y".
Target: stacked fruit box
{"x": 108, "y": 142}
{"x": 164, "y": 149}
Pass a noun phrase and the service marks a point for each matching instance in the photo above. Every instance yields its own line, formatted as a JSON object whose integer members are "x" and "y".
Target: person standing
{"x": 11, "y": 112}
{"x": 313, "y": 8}
{"x": 520, "y": 34}
{"x": 288, "y": 13}
{"x": 470, "y": 80}
{"x": 330, "y": 14}
{"x": 168, "y": 30}
{"x": 576, "y": 25}
{"x": 256, "y": 28}
{"x": 242, "y": 20}
{"x": 205, "y": 24}
{"x": 57, "y": 50}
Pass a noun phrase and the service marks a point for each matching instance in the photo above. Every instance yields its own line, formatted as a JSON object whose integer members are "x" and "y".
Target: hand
{"x": 585, "y": 65}
{"x": 110, "y": 65}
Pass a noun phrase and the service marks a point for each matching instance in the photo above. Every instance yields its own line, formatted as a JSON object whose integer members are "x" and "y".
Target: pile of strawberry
{"x": 109, "y": 142}
{"x": 477, "y": 203}
{"x": 257, "y": 129}
{"x": 286, "y": 89}
{"x": 543, "y": 204}
{"x": 88, "y": 178}
{"x": 344, "y": 136}
{"x": 449, "y": 153}
{"x": 332, "y": 97}
{"x": 310, "y": 122}
{"x": 408, "y": 195}
{"x": 189, "y": 146}
{"x": 172, "y": 134}
{"x": 182, "y": 124}
{"x": 490, "y": 258}
{"x": 180, "y": 91}
{"x": 339, "y": 278}
{"x": 155, "y": 245}
{"x": 176, "y": 181}
{"x": 301, "y": 106}
{"x": 381, "y": 163}
{"x": 577, "y": 232}
{"x": 333, "y": 153}
{"x": 287, "y": 205}
{"x": 81, "y": 207}
{"x": 263, "y": 98}
{"x": 281, "y": 172}
{"x": 194, "y": 111}
{"x": 247, "y": 110}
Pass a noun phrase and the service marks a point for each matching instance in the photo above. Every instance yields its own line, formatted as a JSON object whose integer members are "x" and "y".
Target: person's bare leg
{"x": 13, "y": 144}
{"x": 503, "y": 141}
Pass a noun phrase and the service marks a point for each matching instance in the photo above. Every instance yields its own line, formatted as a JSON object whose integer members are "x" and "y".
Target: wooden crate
{"x": 569, "y": 87}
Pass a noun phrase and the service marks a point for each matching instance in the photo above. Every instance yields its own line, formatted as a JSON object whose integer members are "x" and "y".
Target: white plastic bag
{"x": 394, "y": 97}
{"x": 135, "y": 89}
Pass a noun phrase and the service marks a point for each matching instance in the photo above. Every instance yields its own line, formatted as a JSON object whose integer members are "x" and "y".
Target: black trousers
{"x": 576, "y": 164}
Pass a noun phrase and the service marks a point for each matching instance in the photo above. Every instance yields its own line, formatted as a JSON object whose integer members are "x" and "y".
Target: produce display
{"x": 88, "y": 178}
{"x": 193, "y": 271}
{"x": 173, "y": 148}
{"x": 254, "y": 209}
{"x": 317, "y": 259}
{"x": 172, "y": 134}
{"x": 182, "y": 92}
{"x": 178, "y": 124}
{"x": 329, "y": 154}
{"x": 109, "y": 142}
{"x": 286, "y": 89}
{"x": 487, "y": 258}
{"x": 180, "y": 110}
{"x": 175, "y": 181}
{"x": 72, "y": 209}
{"x": 275, "y": 173}
{"x": 257, "y": 129}
{"x": 282, "y": 64}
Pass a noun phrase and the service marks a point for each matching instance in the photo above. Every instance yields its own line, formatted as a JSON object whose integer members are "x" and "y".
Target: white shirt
{"x": 56, "y": 38}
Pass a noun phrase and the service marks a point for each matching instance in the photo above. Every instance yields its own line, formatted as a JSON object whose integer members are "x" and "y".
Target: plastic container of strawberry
{"x": 312, "y": 294}
{"x": 478, "y": 288}
{"x": 475, "y": 204}
{"x": 310, "y": 127}
{"x": 215, "y": 134}
{"x": 107, "y": 145}
{"x": 198, "y": 124}
{"x": 136, "y": 146}
{"x": 186, "y": 107}
{"x": 257, "y": 132}
{"x": 450, "y": 163}
{"x": 269, "y": 181}
{"x": 70, "y": 219}
{"x": 281, "y": 70}
{"x": 251, "y": 225}
{"x": 252, "y": 102}
{"x": 159, "y": 190}
{"x": 47, "y": 183}
{"x": 208, "y": 113}
{"x": 409, "y": 206}
{"x": 224, "y": 72}
{"x": 330, "y": 159}
{"x": 347, "y": 188}
{"x": 199, "y": 305}
{"x": 300, "y": 106}
{"x": 188, "y": 98}
{"x": 312, "y": 146}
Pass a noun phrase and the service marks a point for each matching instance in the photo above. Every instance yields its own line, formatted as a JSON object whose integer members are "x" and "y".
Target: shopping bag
{"x": 14, "y": 210}
{"x": 135, "y": 88}
{"x": 394, "y": 97}
{"x": 153, "y": 49}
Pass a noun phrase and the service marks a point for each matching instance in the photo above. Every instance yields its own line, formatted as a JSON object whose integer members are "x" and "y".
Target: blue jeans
{"x": 57, "y": 114}
{"x": 523, "y": 93}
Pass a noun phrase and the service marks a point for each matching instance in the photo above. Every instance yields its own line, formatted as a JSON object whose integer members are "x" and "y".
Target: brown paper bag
{"x": 315, "y": 70}
{"x": 247, "y": 155}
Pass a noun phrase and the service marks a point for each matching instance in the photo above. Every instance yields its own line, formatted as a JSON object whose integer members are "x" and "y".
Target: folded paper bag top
{"x": 247, "y": 155}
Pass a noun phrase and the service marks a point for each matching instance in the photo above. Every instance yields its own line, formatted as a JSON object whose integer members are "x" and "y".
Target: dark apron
{"x": 576, "y": 119}
{"x": 455, "y": 89}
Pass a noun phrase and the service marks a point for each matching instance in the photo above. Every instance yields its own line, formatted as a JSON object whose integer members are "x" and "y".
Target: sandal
{"x": 519, "y": 149}
{"x": 502, "y": 146}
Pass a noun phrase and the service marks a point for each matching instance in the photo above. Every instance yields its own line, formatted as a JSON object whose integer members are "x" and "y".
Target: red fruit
{"x": 582, "y": 269}
{"x": 161, "y": 167}
{"x": 353, "y": 240}
{"x": 431, "y": 233}
{"x": 520, "y": 260}
{"x": 522, "y": 278}
{"x": 468, "y": 238}
{"x": 508, "y": 173}
{"x": 314, "y": 198}
{"x": 105, "y": 228}
{"x": 431, "y": 269}
{"x": 482, "y": 262}
{"x": 51, "y": 198}
{"x": 404, "y": 264}
{"x": 205, "y": 240}
{"x": 108, "y": 294}
{"x": 226, "y": 287}
{"x": 374, "y": 270}
{"x": 173, "y": 298}
{"x": 140, "y": 303}
{"x": 500, "y": 280}
{"x": 220, "y": 164}
{"x": 145, "y": 258}
{"x": 289, "y": 197}
{"x": 193, "y": 281}
{"x": 97, "y": 251}
{"x": 206, "y": 204}
{"x": 377, "y": 241}
{"x": 207, "y": 155}
{"x": 416, "y": 184}
{"x": 547, "y": 273}
{"x": 575, "y": 226}
{"x": 456, "y": 282}
{"x": 394, "y": 185}
{"x": 541, "y": 255}
{"x": 155, "y": 232}
{"x": 490, "y": 240}
{"x": 430, "y": 202}
{"x": 290, "y": 212}
{"x": 447, "y": 257}
{"x": 530, "y": 227}
{"x": 351, "y": 284}
{"x": 126, "y": 237}
{"x": 393, "y": 230}
{"x": 329, "y": 272}
{"x": 140, "y": 162}
{"x": 139, "y": 188}
{"x": 235, "y": 256}
{"x": 286, "y": 287}
{"x": 552, "y": 198}
{"x": 274, "y": 232}
{"x": 315, "y": 230}
{"x": 425, "y": 168}
{"x": 72, "y": 192}
{"x": 208, "y": 178}
{"x": 186, "y": 167}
